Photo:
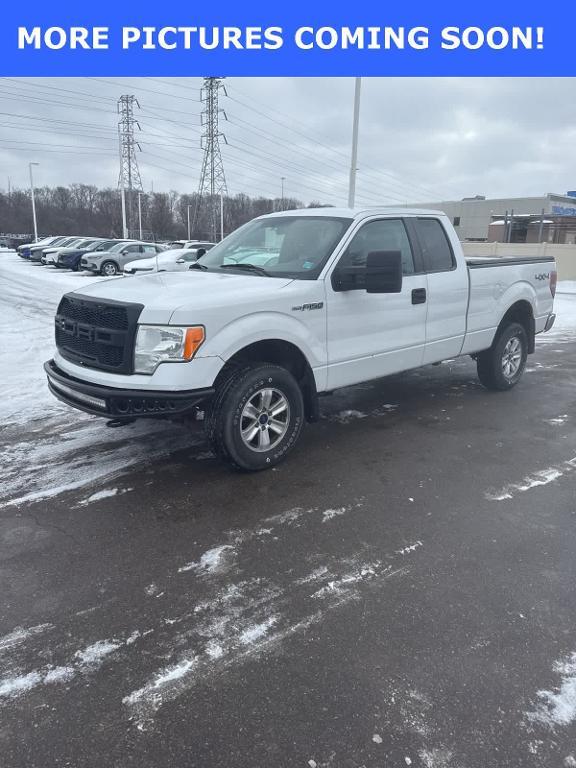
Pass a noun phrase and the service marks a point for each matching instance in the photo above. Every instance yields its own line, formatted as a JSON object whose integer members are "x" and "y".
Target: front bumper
{"x": 87, "y": 265}
{"x": 115, "y": 403}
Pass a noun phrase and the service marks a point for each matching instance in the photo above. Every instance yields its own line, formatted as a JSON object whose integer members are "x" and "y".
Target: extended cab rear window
{"x": 436, "y": 251}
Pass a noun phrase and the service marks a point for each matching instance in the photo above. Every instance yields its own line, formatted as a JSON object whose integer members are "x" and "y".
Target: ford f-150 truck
{"x": 287, "y": 307}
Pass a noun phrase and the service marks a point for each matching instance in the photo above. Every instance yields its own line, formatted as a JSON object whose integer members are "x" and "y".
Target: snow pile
{"x": 565, "y": 306}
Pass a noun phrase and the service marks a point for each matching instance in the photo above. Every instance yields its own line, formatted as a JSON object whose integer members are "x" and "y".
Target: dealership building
{"x": 550, "y": 218}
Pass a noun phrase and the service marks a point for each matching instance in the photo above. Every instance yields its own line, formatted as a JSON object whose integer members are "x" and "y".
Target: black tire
{"x": 226, "y": 417}
{"x": 500, "y": 368}
{"x": 107, "y": 267}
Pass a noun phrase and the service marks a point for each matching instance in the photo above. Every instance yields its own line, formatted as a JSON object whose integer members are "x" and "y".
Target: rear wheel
{"x": 501, "y": 367}
{"x": 109, "y": 269}
{"x": 256, "y": 416}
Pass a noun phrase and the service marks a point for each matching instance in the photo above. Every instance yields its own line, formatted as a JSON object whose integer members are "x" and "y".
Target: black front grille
{"x": 97, "y": 334}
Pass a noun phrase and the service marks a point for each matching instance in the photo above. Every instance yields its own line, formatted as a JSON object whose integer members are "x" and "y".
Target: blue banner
{"x": 297, "y": 38}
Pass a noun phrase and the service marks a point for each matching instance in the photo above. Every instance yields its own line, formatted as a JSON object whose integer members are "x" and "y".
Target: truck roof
{"x": 356, "y": 213}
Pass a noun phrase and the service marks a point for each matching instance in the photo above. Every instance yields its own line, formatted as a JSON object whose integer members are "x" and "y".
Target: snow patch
{"x": 256, "y": 632}
{"x": 436, "y": 758}
{"x": 558, "y": 421}
{"x": 94, "y": 654}
{"x": 20, "y": 634}
{"x": 410, "y": 548}
{"x": 15, "y": 686}
{"x": 536, "y": 479}
{"x": 59, "y": 675}
{"x": 210, "y": 562}
{"x": 330, "y": 514}
{"x": 558, "y": 708}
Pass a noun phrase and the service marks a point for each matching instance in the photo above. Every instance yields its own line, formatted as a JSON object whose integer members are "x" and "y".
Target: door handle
{"x": 419, "y": 296}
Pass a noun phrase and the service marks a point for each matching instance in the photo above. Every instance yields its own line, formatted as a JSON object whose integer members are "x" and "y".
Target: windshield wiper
{"x": 197, "y": 265}
{"x": 247, "y": 267}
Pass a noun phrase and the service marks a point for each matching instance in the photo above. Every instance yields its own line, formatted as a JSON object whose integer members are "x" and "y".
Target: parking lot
{"x": 400, "y": 592}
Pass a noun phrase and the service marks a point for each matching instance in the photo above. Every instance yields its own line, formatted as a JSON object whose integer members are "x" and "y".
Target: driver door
{"x": 376, "y": 334}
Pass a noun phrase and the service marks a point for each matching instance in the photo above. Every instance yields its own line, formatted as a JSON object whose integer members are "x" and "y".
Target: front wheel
{"x": 501, "y": 367}
{"x": 109, "y": 269}
{"x": 256, "y": 416}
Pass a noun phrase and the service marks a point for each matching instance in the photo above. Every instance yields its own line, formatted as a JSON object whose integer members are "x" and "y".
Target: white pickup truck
{"x": 287, "y": 307}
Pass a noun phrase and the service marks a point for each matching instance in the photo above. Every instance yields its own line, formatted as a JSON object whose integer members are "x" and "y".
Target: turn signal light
{"x": 194, "y": 338}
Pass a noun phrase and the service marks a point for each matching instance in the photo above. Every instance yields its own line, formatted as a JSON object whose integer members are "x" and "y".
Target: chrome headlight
{"x": 157, "y": 344}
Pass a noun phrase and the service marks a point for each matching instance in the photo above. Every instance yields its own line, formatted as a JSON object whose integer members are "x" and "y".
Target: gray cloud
{"x": 420, "y": 139}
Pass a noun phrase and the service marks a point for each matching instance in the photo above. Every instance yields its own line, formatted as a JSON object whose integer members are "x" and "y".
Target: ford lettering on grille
{"x": 96, "y": 334}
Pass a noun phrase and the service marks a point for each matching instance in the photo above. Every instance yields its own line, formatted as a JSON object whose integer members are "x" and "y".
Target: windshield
{"x": 68, "y": 241}
{"x": 123, "y": 244}
{"x": 282, "y": 246}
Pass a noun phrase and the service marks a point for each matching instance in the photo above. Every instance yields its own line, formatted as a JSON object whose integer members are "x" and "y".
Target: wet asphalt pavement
{"x": 400, "y": 592}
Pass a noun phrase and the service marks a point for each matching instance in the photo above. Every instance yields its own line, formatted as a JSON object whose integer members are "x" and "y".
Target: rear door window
{"x": 436, "y": 251}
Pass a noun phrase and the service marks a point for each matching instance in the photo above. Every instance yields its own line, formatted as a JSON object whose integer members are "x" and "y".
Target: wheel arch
{"x": 283, "y": 353}
{"x": 520, "y": 312}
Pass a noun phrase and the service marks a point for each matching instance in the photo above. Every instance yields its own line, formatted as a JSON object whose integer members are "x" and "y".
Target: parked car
{"x": 113, "y": 261}
{"x": 37, "y": 251}
{"x": 176, "y": 260}
{"x": 333, "y": 297}
{"x": 50, "y": 255}
{"x": 69, "y": 258}
{"x": 24, "y": 250}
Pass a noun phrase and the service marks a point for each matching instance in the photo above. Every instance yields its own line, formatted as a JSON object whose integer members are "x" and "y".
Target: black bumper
{"x": 115, "y": 403}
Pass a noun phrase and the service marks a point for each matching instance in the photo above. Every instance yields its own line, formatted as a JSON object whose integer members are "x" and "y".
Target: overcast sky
{"x": 420, "y": 139}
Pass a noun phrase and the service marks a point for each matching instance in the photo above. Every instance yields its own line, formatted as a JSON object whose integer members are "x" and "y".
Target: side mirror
{"x": 384, "y": 272}
{"x": 200, "y": 252}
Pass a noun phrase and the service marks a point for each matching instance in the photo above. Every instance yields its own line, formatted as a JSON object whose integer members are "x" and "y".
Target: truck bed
{"x": 495, "y": 284}
{"x": 478, "y": 262}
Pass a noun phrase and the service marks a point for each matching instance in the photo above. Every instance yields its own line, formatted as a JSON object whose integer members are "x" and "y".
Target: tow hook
{"x": 113, "y": 423}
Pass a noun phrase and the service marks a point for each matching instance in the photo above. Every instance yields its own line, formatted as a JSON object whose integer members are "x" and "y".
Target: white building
{"x": 472, "y": 216}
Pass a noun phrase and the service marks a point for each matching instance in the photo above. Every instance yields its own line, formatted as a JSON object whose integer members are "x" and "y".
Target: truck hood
{"x": 164, "y": 293}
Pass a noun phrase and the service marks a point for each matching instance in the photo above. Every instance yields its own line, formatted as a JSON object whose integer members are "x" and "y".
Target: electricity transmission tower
{"x": 129, "y": 180}
{"x": 212, "y": 178}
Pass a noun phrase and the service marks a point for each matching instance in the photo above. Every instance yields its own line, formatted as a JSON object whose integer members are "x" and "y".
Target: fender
{"x": 261, "y": 326}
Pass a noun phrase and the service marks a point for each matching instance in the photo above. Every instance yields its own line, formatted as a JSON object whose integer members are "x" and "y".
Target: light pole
{"x": 221, "y": 215}
{"x": 282, "y": 180}
{"x": 188, "y": 216}
{"x": 354, "y": 156}
{"x": 140, "y": 213}
{"x": 33, "y": 201}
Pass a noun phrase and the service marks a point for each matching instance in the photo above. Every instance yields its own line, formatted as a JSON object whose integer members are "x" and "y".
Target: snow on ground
{"x": 46, "y": 447}
{"x": 565, "y": 306}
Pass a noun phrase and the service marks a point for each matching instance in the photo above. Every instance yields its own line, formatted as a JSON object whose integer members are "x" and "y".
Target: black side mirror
{"x": 384, "y": 272}
{"x": 200, "y": 252}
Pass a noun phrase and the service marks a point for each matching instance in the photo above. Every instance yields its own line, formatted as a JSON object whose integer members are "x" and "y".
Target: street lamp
{"x": 282, "y": 180}
{"x": 33, "y": 201}
{"x": 140, "y": 213}
{"x": 354, "y": 155}
{"x": 188, "y": 216}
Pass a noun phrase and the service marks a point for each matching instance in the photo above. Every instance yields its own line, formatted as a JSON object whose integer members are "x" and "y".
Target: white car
{"x": 177, "y": 260}
{"x": 291, "y": 305}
